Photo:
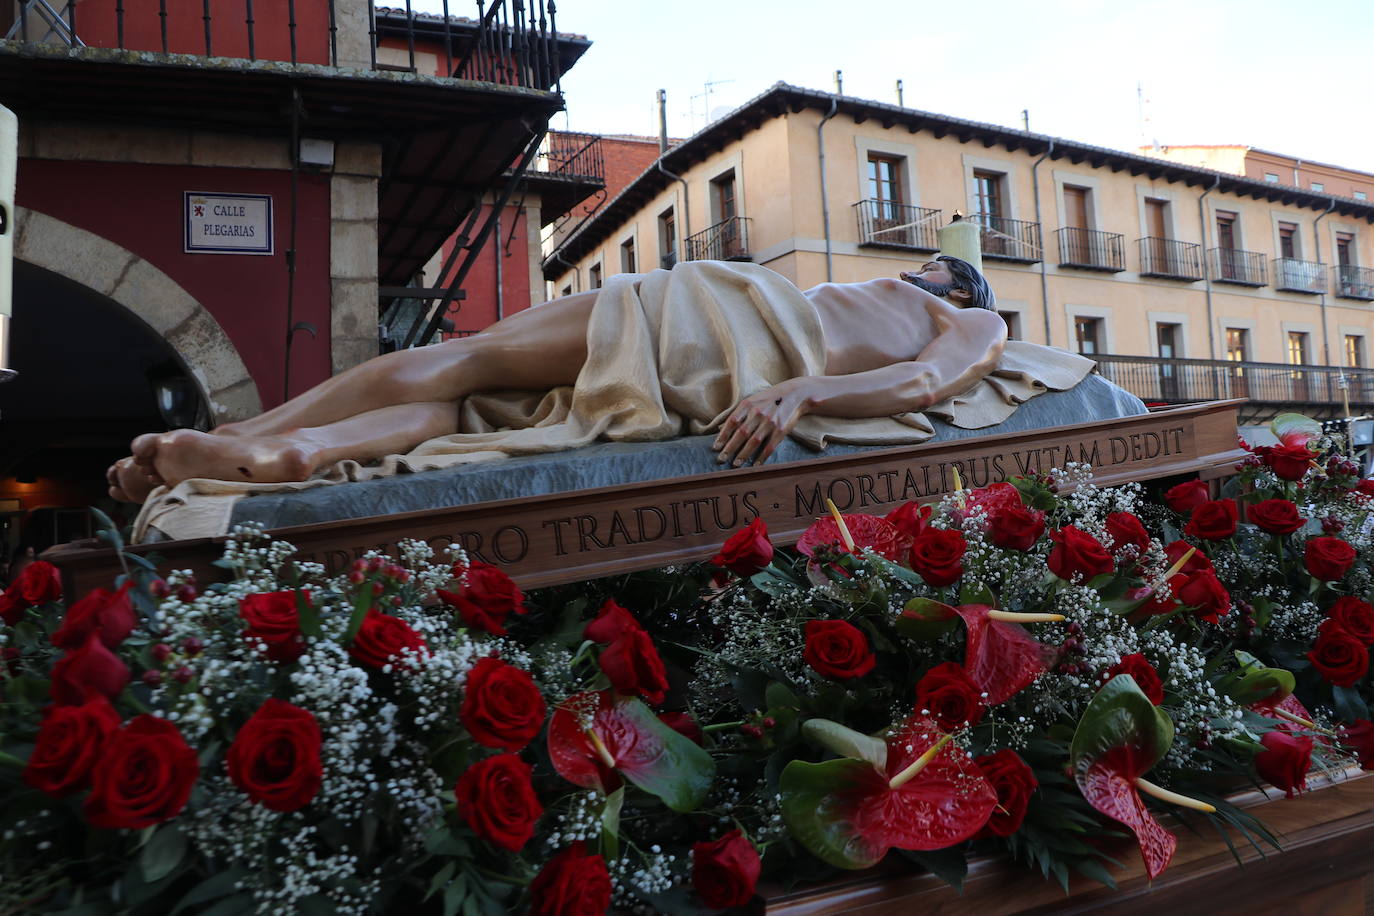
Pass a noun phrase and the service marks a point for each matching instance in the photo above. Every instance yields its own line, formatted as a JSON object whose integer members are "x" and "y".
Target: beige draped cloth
{"x": 669, "y": 353}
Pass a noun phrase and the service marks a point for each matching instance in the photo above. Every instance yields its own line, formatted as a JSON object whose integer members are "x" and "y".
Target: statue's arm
{"x": 965, "y": 348}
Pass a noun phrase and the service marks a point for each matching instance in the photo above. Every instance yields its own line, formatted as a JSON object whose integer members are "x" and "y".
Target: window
{"x": 723, "y": 197}
{"x": 1088, "y": 333}
{"x": 627, "y": 256}
{"x": 987, "y": 189}
{"x": 1157, "y": 251}
{"x": 567, "y": 290}
{"x": 1318, "y": 186}
{"x": 1362, "y": 195}
{"x": 1238, "y": 345}
{"x": 1288, "y": 240}
{"x": 728, "y": 241}
{"x": 1354, "y": 351}
{"x": 1167, "y": 337}
{"x": 1013, "y": 320}
{"x": 1271, "y": 177}
{"x": 1345, "y": 249}
{"x": 1227, "y": 259}
{"x": 1297, "y": 348}
{"x": 667, "y": 238}
{"x": 885, "y": 185}
{"x": 1076, "y": 207}
{"x": 594, "y": 277}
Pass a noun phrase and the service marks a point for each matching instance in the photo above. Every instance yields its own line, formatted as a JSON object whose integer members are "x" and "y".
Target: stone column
{"x": 353, "y": 253}
{"x": 354, "y": 44}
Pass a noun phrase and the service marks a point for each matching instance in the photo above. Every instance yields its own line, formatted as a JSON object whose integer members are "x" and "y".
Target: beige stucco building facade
{"x": 1089, "y": 249}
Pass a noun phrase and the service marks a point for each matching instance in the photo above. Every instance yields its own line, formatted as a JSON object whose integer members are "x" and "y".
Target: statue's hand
{"x": 760, "y": 422}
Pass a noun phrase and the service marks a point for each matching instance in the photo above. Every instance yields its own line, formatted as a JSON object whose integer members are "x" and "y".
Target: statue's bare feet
{"x": 128, "y": 482}
{"x": 186, "y": 453}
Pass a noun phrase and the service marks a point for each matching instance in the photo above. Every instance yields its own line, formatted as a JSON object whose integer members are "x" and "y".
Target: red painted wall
{"x": 140, "y": 207}
{"x": 479, "y": 309}
{"x": 96, "y": 24}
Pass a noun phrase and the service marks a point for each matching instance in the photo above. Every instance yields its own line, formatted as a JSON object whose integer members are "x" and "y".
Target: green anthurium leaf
{"x": 1258, "y": 683}
{"x": 1121, "y": 715}
{"x": 1034, "y": 494}
{"x": 610, "y": 824}
{"x": 926, "y": 618}
{"x": 811, "y": 811}
{"x": 896, "y": 570}
{"x": 977, "y": 593}
{"x": 1294, "y": 428}
{"x": 845, "y": 741}
{"x": 163, "y": 853}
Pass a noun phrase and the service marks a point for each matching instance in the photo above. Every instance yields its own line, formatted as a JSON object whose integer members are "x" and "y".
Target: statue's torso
{"x": 874, "y": 324}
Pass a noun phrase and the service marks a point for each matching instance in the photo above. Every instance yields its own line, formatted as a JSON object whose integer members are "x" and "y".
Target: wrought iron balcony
{"x": 1353, "y": 282}
{"x": 1170, "y": 259}
{"x": 727, "y": 240}
{"x": 884, "y": 224}
{"x": 1089, "y": 249}
{"x": 576, "y": 156}
{"x": 1008, "y": 239}
{"x": 667, "y": 260}
{"x": 1231, "y": 265}
{"x": 1271, "y": 387}
{"x": 1296, "y": 276}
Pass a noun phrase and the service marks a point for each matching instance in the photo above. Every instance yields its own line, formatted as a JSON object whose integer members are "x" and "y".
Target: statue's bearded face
{"x": 934, "y": 278}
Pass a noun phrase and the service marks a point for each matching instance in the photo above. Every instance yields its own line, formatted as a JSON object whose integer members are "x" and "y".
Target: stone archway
{"x": 158, "y": 300}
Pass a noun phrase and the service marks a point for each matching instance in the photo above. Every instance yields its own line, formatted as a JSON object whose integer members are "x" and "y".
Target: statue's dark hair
{"x": 967, "y": 277}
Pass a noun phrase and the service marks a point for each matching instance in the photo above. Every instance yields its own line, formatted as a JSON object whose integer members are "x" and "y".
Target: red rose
{"x": 633, "y": 665}
{"x": 1364, "y": 489}
{"x": 937, "y": 555}
{"x": 1276, "y": 516}
{"x": 1198, "y": 562}
{"x": 1340, "y": 657}
{"x": 37, "y": 583}
{"x": 106, "y": 613}
{"x": 11, "y": 608}
{"x": 1014, "y": 782}
{"x": 501, "y": 706}
{"x": 1204, "y": 593}
{"x": 949, "y": 696}
{"x": 572, "y": 883}
{"x": 272, "y": 619}
{"x": 1214, "y": 520}
{"x": 1144, "y": 674}
{"x": 1016, "y": 527}
{"x": 275, "y": 757}
{"x": 747, "y": 550}
{"x": 611, "y": 621}
{"x": 1186, "y": 497}
{"x": 1284, "y": 760}
{"x": 70, "y": 742}
{"x": 1289, "y": 462}
{"x": 382, "y": 638}
{"x": 1359, "y": 739}
{"x": 1077, "y": 554}
{"x": 497, "y": 800}
{"x": 144, "y": 778}
{"x": 1328, "y": 559}
{"x": 909, "y": 518}
{"x": 1356, "y": 617}
{"x": 683, "y": 724}
{"x": 837, "y": 649}
{"x": 487, "y": 598}
{"x": 725, "y": 871}
{"x": 1127, "y": 531}
{"x": 89, "y": 671}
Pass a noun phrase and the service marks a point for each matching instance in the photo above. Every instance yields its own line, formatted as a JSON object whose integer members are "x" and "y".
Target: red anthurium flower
{"x": 849, "y": 812}
{"x": 879, "y": 535}
{"x": 1198, "y": 562}
{"x": 1000, "y": 656}
{"x": 1288, "y": 710}
{"x": 909, "y": 518}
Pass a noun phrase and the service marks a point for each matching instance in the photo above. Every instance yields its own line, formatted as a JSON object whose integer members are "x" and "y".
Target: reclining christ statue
{"x": 731, "y": 348}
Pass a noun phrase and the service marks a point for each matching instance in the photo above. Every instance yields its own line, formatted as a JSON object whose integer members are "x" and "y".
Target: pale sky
{"x": 1292, "y": 77}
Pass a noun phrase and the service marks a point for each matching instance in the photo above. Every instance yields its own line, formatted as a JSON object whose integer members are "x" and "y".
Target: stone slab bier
{"x": 586, "y": 534}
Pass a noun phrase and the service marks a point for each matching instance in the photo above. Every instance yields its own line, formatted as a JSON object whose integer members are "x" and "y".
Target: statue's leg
{"x": 536, "y": 349}
{"x": 294, "y": 455}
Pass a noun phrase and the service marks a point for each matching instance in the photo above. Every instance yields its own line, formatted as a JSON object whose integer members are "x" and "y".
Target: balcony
{"x": 1088, "y": 249}
{"x": 568, "y": 169}
{"x": 1005, "y": 239}
{"x": 727, "y": 240}
{"x": 1353, "y": 282}
{"x": 1271, "y": 387}
{"x": 885, "y": 224}
{"x": 1294, "y": 276}
{"x": 1170, "y": 259}
{"x": 1241, "y": 268}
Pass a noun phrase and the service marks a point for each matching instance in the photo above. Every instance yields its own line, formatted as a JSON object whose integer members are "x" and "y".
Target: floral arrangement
{"x": 1018, "y": 668}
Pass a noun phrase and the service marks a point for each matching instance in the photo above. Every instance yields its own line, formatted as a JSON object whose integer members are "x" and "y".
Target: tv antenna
{"x": 705, "y": 95}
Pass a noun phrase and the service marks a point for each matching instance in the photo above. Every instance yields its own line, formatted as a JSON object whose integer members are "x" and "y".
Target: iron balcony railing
{"x": 884, "y": 224}
{"x": 1242, "y": 268}
{"x": 1296, "y": 276}
{"x": 572, "y": 156}
{"x": 1170, "y": 259}
{"x": 513, "y": 42}
{"x": 1353, "y": 282}
{"x": 1007, "y": 239}
{"x": 1155, "y": 379}
{"x": 667, "y": 260}
{"x": 727, "y": 240}
{"x": 1090, "y": 249}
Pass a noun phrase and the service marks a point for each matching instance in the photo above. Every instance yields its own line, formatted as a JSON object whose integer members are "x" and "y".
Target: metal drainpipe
{"x": 1207, "y": 274}
{"x": 1317, "y": 248}
{"x": 825, "y": 200}
{"x": 500, "y": 279}
{"x": 686, "y": 232}
{"x": 1044, "y": 280}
